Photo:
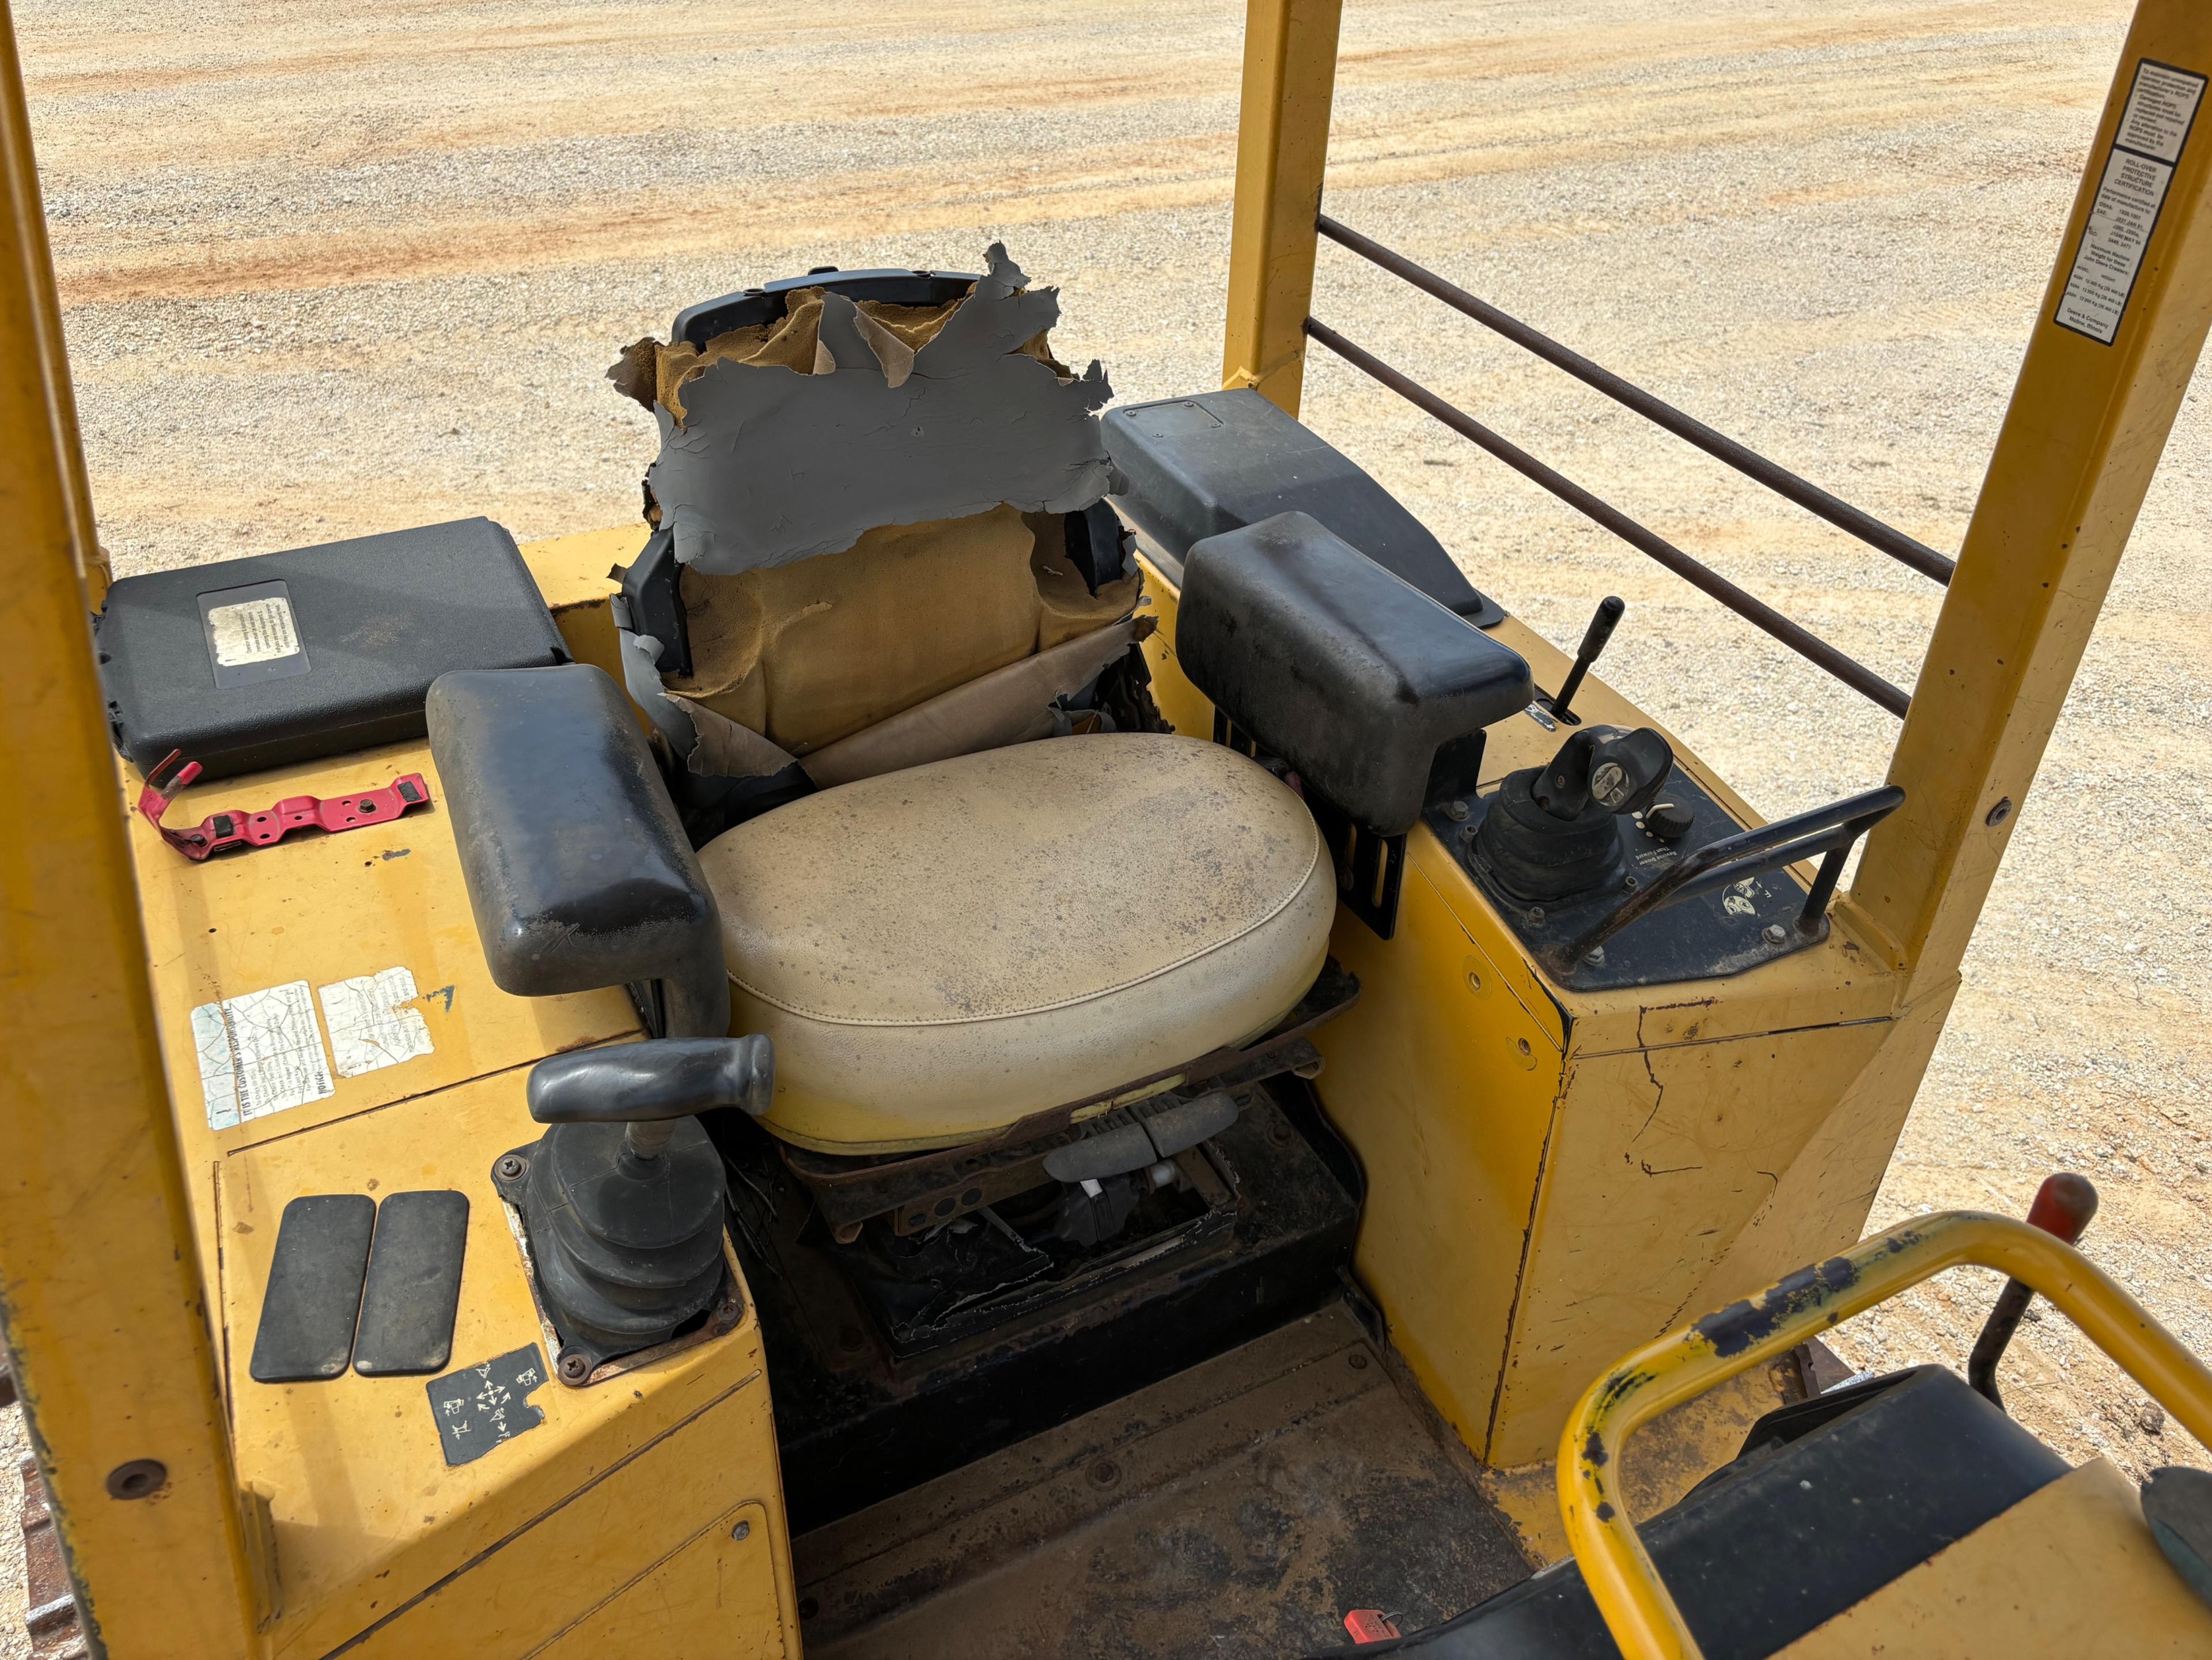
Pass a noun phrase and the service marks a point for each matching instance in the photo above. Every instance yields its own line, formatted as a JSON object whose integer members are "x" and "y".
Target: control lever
{"x": 649, "y": 1086}
{"x": 1551, "y": 831}
{"x": 2065, "y": 1205}
{"x": 1594, "y": 639}
{"x": 1619, "y": 772}
{"x": 622, "y": 1197}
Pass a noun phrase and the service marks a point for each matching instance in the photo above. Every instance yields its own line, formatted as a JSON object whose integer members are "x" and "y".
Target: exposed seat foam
{"x": 941, "y": 952}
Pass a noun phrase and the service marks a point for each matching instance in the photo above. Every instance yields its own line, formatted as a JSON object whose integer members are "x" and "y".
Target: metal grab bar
{"x": 1806, "y": 494}
{"x": 1828, "y": 830}
{"x": 1807, "y": 645}
{"x": 1637, "y": 1608}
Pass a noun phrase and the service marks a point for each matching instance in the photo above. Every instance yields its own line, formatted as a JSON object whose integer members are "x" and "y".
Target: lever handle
{"x": 653, "y": 1082}
{"x": 1595, "y": 638}
{"x": 2064, "y": 1206}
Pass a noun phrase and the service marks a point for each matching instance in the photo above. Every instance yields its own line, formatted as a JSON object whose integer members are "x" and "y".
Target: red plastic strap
{"x": 220, "y": 832}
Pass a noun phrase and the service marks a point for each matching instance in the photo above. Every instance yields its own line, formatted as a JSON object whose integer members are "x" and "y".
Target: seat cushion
{"x": 941, "y": 952}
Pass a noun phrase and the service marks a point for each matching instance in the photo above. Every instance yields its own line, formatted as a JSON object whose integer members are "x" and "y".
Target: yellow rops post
{"x": 1034, "y": 1031}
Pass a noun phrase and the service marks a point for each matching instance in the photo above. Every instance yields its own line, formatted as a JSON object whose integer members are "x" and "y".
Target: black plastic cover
{"x": 1788, "y": 1536}
{"x": 578, "y": 868}
{"x": 252, "y": 663}
{"x": 414, "y": 1285}
{"x": 1342, "y": 669}
{"x": 307, "y": 1313}
{"x": 701, "y": 323}
{"x": 1198, "y": 467}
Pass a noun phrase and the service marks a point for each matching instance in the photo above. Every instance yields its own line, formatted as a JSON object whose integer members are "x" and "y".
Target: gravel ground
{"x": 333, "y": 272}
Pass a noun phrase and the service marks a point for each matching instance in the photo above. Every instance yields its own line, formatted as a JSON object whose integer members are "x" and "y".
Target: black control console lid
{"x": 1198, "y": 467}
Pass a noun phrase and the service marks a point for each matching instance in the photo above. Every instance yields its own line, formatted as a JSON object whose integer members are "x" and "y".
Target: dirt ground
{"x": 336, "y": 270}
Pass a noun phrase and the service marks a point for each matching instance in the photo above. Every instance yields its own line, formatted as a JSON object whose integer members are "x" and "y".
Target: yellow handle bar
{"x": 1619, "y": 1572}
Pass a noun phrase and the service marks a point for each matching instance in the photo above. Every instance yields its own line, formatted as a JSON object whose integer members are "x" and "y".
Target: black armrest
{"x": 1345, "y": 671}
{"x": 577, "y": 866}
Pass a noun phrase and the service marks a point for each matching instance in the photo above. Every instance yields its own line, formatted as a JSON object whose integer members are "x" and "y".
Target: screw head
{"x": 575, "y": 1367}
{"x": 1535, "y": 917}
{"x": 743, "y": 1531}
{"x": 1629, "y": 885}
{"x": 1358, "y": 1361}
{"x": 1775, "y": 934}
{"x": 1456, "y": 812}
{"x": 141, "y": 1478}
{"x": 728, "y": 1311}
{"x": 510, "y": 1168}
{"x": 1999, "y": 813}
{"x": 1105, "y": 1473}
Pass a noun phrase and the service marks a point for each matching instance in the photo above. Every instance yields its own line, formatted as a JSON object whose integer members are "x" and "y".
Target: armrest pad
{"x": 1349, "y": 674}
{"x": 578, "y": 868}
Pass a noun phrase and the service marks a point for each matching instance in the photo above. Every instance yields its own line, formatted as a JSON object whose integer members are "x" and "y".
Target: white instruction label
{"x": 259, "y": 1054}
{"x": 371, "y": 1025}
{"x": 2161, "y": 106}
{"x": 253, "y": 632}
{"x": 2154, "y": 125}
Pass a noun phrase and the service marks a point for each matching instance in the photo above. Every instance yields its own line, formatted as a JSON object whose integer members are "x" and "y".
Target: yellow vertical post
{"x": 2116, "y": 338}
{"x": 1282, "y": 151}
{"x": 100, "y": 1292}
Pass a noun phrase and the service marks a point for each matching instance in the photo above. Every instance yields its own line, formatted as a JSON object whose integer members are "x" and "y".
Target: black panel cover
{"x": 253, "y": 663}
{"x": 1784, "y": 1539}
{"x": 1330, "y": 661}
{"x": 414, "y": 1284}
{"x": 315, "y": 1289}
{"x": 1198, "y": 467}
{"x": 577, "y": 866}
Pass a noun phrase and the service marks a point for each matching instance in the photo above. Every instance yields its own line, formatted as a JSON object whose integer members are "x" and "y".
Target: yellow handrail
{"x": 1619, "y": 1572}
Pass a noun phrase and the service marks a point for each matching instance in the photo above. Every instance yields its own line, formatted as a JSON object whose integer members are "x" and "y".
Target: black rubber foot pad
{"x": 414, "y": 1284}
{"x": 314, "y": 1288}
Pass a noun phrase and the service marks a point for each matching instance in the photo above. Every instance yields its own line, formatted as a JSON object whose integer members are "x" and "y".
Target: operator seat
{"x": 882, "y": 536}
{"x": 938, "y": 952}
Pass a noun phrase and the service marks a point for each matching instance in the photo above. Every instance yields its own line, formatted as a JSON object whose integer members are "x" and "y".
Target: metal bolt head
{"x": 1595, "y": 954}
{"x": 728, "y": 1311}
{"x": 1629, "y": 883}
{"x": 575, "y": 1367}
{"x": 1535, "y": 917}
{"x": 141, "y": 1478}
{"x": 1775, "y": 934}
{"x": 510, "y": 1168}
{"x": 1999, "y": 813}
{"x": 743, "y": 1531}
{"x": 1456, "y": 812}
{"x": 1105, "y": 1473}
{"x": 1358, "y": 1361}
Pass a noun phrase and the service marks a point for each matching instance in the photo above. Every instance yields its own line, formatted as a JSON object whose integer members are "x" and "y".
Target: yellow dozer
{"x": 1017, "y": 1026}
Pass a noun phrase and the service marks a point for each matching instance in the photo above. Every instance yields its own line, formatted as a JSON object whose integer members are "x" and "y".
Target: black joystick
{"x": 624, "y": 1198}
{"x": 1594, "y": 642}
{"x": 1550, "y": 831}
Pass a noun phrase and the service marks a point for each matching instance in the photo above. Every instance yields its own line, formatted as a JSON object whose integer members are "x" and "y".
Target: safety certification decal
{"x": 260, "y": 1052}
{"x": 480, "y": 1407}
{"x": 2161, "y": 108}
{"x": 372, "y": 1024}
{"x": 253, "y": 632}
